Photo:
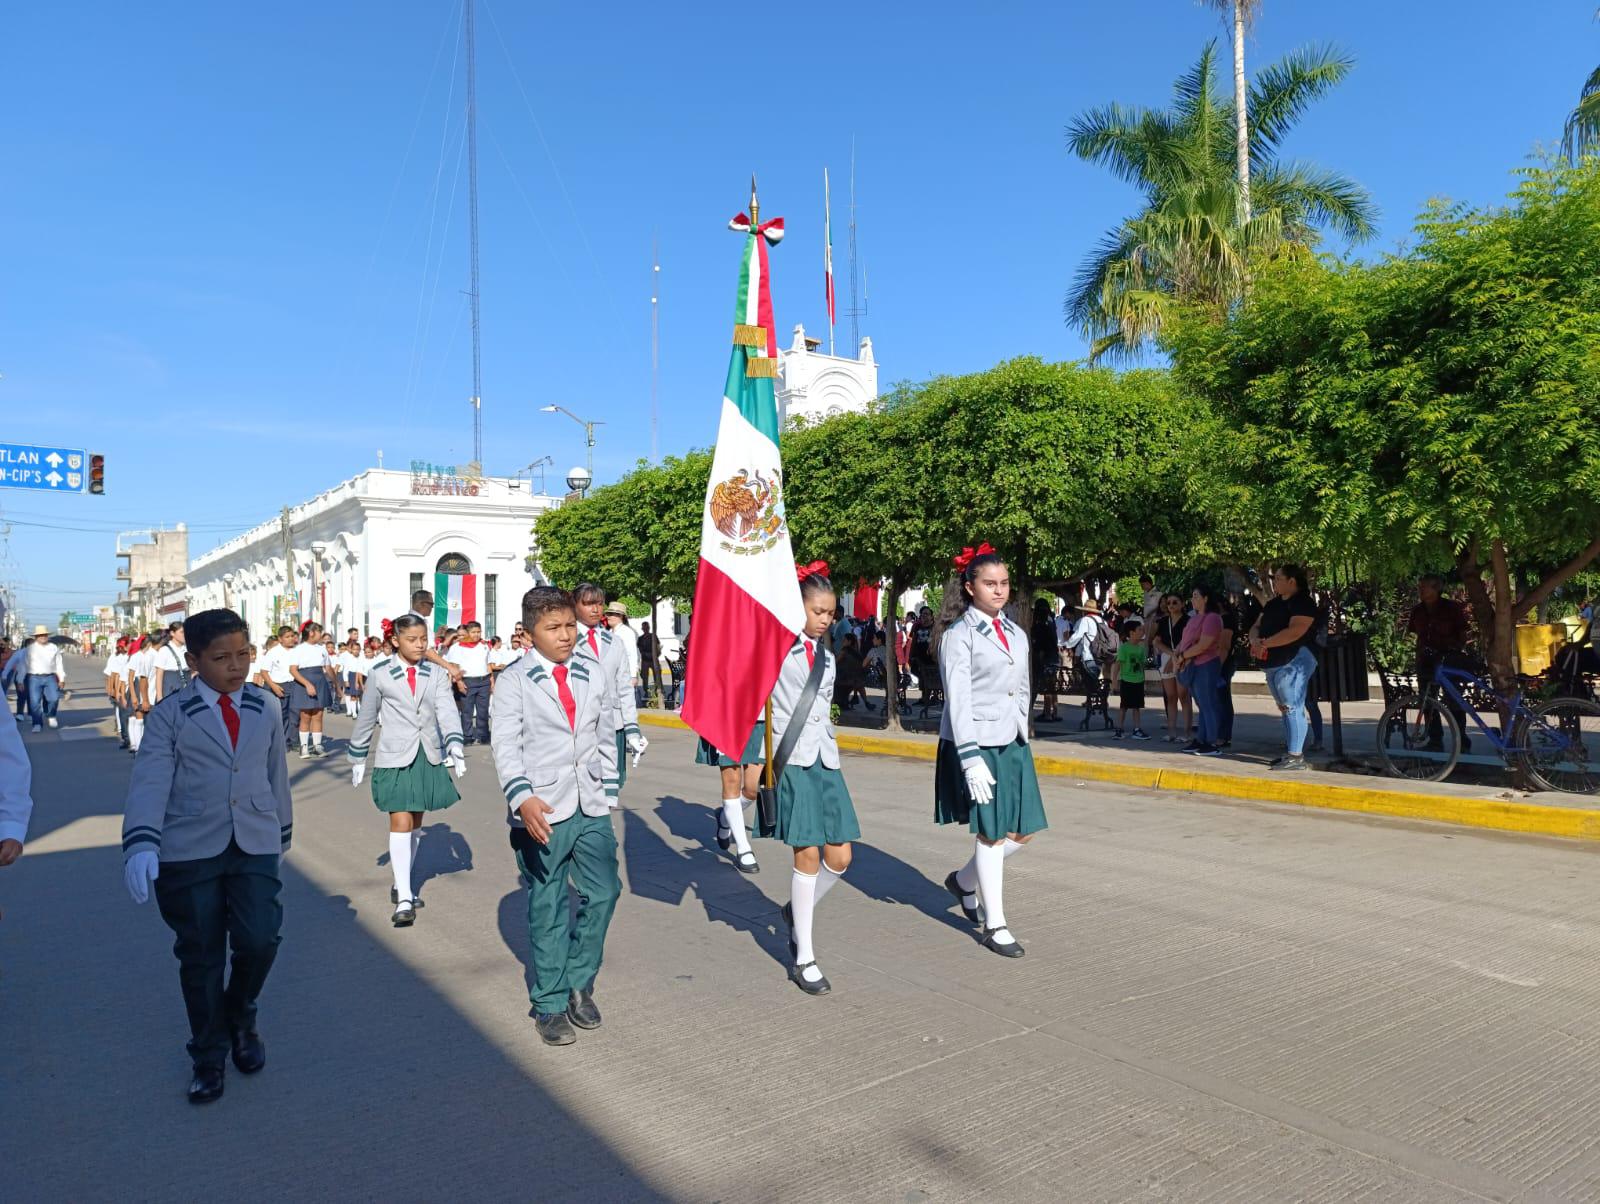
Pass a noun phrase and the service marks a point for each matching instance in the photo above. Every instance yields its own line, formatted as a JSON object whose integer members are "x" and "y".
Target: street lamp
{"x": 588, "y": 426}
{"x": 317, "y": 608}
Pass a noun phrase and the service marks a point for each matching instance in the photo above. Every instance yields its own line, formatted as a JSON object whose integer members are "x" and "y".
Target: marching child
{"x": 311, "y": 692}
{"x": 411, "y": 701}
{"x": 471, "y": 655}
{"x": 208, "y": 816}
{"x": 1130, "y": 677}
{"x": 984, "y": 775}
{"x": 606, "y": 653}
{"x": 116, "y": 689}
{"x": 553, "y": 734}
{"x": 138, "y": 683}
{"x": 740, "y": 780}
{"x": 278, "y": 677}
{"x": 815, "y": 816}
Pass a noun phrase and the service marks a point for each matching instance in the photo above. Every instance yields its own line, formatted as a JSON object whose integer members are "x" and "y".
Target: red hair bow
{"x": 817, "y": 568}
{"x": 968, "y": 555}
{"x": 388, "y": 628}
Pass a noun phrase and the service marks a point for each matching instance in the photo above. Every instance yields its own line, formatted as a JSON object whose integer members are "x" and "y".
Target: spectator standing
{"x": 1165, "y": 639}
{"x": 1150, "y": 602}
{"x": 1085, "y": 627}
{"x": 649, "y": 662}
{"x": 1199, "y": 664}
{"x": 1440, "y": 625}
{"x": 1281, "y": 637}
{"x": 1045, "y": 655}
{"x": 1131, "y": 657}
{"x": 616, "y": 618}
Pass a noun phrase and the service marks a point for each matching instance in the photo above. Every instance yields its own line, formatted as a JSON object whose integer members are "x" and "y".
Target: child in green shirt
{"x": 1130, "y": 677}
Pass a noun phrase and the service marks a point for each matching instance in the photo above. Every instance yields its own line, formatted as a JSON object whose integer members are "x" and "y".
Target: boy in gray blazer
{"x": 207, "y": 817}
{"x": 552, "y": 730}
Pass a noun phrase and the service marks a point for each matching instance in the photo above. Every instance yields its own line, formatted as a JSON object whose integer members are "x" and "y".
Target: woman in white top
{"x": 311, "y": 691}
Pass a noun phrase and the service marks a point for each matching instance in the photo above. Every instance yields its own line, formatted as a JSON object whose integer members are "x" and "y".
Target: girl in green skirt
{"x": 737, "y": 795}
{"x": 412, "y": 701}
{"x": 815, "y": 816}
{"x": 984, "y": 774}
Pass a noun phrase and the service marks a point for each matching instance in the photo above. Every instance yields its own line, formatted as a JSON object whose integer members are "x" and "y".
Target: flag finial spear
{"x": 755, "y": 208}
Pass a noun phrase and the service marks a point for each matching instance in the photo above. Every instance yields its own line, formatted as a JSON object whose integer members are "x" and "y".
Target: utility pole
{"x": 287, "y": 530}
{"x": 857, "y": 310}
{"x": 472, "y": 210}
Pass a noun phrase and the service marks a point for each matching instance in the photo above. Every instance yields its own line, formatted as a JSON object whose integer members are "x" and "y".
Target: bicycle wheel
{"x": 1418, "y": 739}
{"x": 1560, "y": 746}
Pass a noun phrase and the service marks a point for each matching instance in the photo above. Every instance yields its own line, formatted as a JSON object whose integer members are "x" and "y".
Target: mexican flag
{"x": 747, "y": 608}
{"x": 455, "y": 599}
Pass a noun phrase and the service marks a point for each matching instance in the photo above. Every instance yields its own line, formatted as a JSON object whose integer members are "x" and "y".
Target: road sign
{"x": 53, "y": 469}
{"x": 79, "y": 618}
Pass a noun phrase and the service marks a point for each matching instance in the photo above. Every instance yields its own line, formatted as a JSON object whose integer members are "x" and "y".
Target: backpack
{"x": 1103, "y": 644}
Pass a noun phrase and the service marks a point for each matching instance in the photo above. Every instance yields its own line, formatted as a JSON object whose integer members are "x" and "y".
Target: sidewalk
{"x": 1476, "y": 795}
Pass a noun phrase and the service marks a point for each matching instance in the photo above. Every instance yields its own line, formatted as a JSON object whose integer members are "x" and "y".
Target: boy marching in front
{"x": 207, "y": 817}
{"x": 552, "y": 730}
{"x": 597, "y": 645}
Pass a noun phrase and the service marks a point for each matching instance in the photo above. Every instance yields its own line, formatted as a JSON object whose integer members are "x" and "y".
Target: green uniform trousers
{"x": 212, "y": 903}
{"x": 566, "y": 955}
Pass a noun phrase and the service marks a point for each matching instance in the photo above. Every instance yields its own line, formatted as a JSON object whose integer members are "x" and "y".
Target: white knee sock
{"x": 316, "y": 738}
{"x": 305, "y": 741}
{"x": 135, "y": 730}
{"x": 967, "y": 875}
{"x": 802, "y": 903}
{"x": 400, "y": 863}
{"x": 416, "y": 839}
{"x": 733, "y": 817}
{"x": 991, "y": 860}
{"x": 826, "y": 877}
{"x": 1011, "y": 846}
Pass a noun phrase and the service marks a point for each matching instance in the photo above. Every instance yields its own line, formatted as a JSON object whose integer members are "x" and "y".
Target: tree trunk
{"x": 1241, "y": 111}
{"x": 1502, "y": 641}
{"x": 891, "y": 660}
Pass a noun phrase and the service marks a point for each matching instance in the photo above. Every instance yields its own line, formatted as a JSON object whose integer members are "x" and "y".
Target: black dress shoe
{"x": 746, "y": 863}
{"x": 797, "y": 976}
{"x": 555, "y": 1029}
{"x": 582, "y": 1011}
{"x": 249, "y": 1051}
{"x": 206, "y": 1084}
{"x": 416, "y": 900}
{"x": 1008, "y": 949}
{"x": 954, "y": 887}
{"x": 788, "y": 918}
{"x": 724, "y": 842}
{"x": 405, "y": 914}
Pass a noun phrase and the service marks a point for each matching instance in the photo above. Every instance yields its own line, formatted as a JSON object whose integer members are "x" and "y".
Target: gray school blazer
{"x": 613, "y": 663}
{"x": 536, "y": 751}
{"x": 192, "y": 791}
{"x": 985, "y": 686}
{"x": 817, "y": 738}
{"x": 427, "y": 719}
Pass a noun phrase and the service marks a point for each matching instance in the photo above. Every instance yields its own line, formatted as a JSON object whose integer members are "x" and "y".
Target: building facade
{"x": 157, "y": 565}
{"x": 814, "y": 387}
{"x": 351, "y": 556}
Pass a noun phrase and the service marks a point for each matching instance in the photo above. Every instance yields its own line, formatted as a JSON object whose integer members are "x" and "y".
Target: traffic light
{"x": 97, "y": 474}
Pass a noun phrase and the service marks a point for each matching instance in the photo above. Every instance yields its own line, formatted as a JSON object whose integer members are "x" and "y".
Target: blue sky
{"x": 234, "y": 237}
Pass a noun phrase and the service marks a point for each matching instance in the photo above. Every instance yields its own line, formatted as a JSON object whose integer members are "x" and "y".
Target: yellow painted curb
{"x": 1503, "y": 815}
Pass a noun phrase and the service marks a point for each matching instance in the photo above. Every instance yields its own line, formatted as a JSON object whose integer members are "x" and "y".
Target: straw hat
{"x": 1091, "y": 607}
{"x": 618, "y": 609}
{"x": 41, "y": 630}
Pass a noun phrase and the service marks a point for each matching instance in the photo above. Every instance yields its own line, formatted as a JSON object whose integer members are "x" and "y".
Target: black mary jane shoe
{"x": 206, "y": 1084}
{"x": 249, "y": 1051}
{"x": 1009, "y": 949}
{"x": 744, "y": 866}
{"x": 788, "y": 919}
{"x": 954, "y": 887}
{"x": 724, "y": 842}
{"x": 416, "y": 900}
{"x": 405, "y": 915}
{"x": 555, "y": 1029}
{"x": 581, "y": 1009}
{"x": 797, "y": 976}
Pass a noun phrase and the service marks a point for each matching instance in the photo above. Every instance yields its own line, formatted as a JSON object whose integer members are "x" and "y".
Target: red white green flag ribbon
{"x": 455, "y": 599}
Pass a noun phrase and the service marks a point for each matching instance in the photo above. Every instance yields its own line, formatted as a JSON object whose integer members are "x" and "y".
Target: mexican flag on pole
{"x": 455, "y": 599}
{"x": 747, "y": 608}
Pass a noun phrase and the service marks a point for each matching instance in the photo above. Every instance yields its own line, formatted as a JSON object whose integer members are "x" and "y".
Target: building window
{"x": 490, "y": 597}
{"x": 416, "y": 584}
{"x": 454, "y": 564}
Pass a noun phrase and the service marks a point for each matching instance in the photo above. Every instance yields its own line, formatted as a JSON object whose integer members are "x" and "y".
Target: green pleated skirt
{"x": 814, "y": 808}
{"x": 1017, "y": 806}
{"x": 418, "y": 787}
{"x": 755, "y": 750}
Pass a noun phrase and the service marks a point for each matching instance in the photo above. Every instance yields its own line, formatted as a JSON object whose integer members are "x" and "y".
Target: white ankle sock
{"x": 733, "y": 817}
{"x": 826, "y": 877}
{"x": 1011, "y": 846}
{"x": 400, "y": 863}
{"x": 305, "y": 740}
{"x": 991, "y": 860}
{"x": 802, "y": 902}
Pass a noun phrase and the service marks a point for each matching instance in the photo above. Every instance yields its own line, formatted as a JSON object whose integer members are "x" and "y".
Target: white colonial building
{"x": 351, "y": 557}
{"x": 815, "y": 387}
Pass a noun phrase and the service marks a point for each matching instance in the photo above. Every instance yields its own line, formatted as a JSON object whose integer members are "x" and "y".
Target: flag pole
{"x": 827, "y": 252}
{"x": 766, "y": 764}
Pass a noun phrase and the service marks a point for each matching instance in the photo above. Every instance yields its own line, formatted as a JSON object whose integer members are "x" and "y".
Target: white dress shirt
{"x": 276, "y": 665}
{"x": 44, "y": 660}
{"x": 215, "y": 711}
{"x": 474, "y": 661}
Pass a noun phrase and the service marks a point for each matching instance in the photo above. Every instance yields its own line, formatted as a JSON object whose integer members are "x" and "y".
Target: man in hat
{"x": 616, "y": 616}
{"x": 46, "y": 676}
{"x": 1086, "y": 624}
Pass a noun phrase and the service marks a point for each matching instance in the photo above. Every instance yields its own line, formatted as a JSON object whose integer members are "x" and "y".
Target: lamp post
{"x": 587, "y": 424}
{"x": 317, "y": 608}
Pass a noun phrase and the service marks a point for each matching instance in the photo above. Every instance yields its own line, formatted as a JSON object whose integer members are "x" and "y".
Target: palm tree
{"x": 1243, "y": 13}
{"x": 1582, "y": 134}
{"x": 1191, "y": 242}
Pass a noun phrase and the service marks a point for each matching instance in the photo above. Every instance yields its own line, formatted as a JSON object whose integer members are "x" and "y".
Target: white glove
{"x": 142, "y": 869}
{"x": 358, "y": 772}
{"x": 459, "y": 764}
{"x": 980, "y": 782}
{"x": 636, "y": 745}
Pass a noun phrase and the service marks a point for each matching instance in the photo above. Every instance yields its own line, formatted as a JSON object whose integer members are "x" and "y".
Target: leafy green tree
{"x": 1195, "y": 234}
{"x": 1432, "y": 408}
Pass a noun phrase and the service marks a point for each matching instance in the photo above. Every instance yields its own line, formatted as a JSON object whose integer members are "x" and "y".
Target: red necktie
{"x": 230, "y": 718}
{"x": 411, "y": 678}
{"x": 1000, "y": 630}
{"x": 594, "y": 645}
{"x": 811, "y": 657}
{"x": 567, "y": 700}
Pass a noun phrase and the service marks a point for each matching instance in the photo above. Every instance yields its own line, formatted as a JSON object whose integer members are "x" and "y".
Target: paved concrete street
{"x": 1220, "y": 1002}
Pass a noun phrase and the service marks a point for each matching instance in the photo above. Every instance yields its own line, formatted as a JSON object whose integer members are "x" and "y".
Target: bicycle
{"x": 1556, "y": 743}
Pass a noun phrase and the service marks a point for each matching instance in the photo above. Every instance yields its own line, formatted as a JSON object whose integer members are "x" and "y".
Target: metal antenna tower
{"x": 857, "y": 310}
{"x": 655, "y": 348}
{"x": 472, "y": 210}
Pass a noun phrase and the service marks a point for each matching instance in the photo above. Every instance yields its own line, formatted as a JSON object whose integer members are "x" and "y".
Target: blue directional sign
{"x": 53, "y": 469}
